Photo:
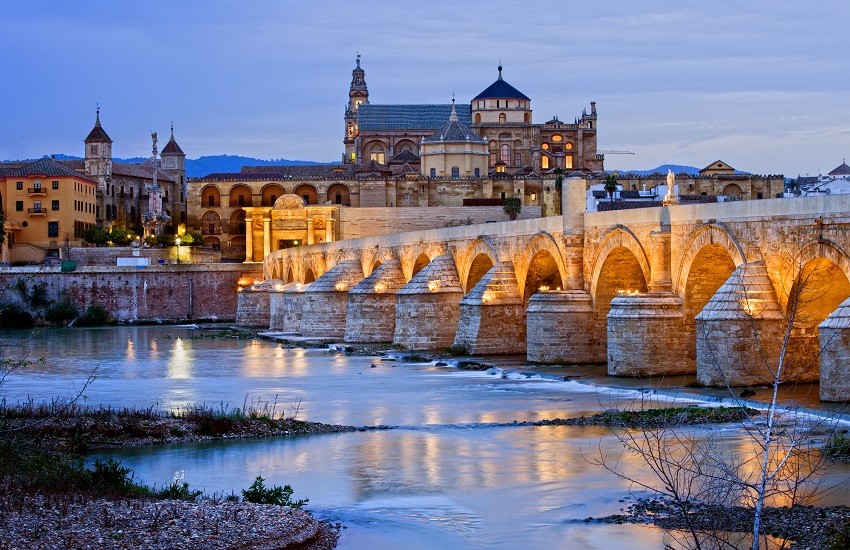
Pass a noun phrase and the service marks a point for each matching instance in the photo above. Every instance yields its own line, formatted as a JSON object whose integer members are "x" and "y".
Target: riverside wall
{"x": 168, "y": 293}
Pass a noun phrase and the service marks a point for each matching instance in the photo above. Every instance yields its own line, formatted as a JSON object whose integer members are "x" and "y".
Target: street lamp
{"x": 177, "y": 242}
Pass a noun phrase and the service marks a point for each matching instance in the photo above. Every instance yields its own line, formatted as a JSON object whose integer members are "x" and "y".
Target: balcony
{"x": 40, "y": 211}
{"x": 37, "y": 191}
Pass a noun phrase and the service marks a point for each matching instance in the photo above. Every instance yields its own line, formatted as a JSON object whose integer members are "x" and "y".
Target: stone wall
{"x": 369, "y": 222}
{"x": 150, "y": 294}
{"x": 108, "y": 255}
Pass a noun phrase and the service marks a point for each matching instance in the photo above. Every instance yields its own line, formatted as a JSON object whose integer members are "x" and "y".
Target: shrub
{"x": 62, "y": 311}
{"x": 178, "y": 491}
{"x": 12, "y": 316}
{"x": 110, "y": 475}
{"x": 837, "y": 447}
{"x": 281, "y": 496}
{"x": 95, "y": 235}
{"x": 95, "y": 316}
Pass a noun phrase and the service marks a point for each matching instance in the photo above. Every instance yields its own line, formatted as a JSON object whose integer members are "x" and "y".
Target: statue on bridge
{"x": 671, "y": 197}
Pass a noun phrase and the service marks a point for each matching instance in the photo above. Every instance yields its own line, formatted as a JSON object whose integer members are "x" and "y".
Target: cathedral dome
{"x": 501, "y": 90}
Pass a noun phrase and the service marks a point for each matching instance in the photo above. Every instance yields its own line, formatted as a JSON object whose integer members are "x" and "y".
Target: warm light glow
{"x": 380, "y": 287}
{"x": 433, "y": 286}
{"x": 626, "y": 292}
{"x": 543, "y": 288}
{"x": 340, "y": 286}
{"x": 486, "y": 297}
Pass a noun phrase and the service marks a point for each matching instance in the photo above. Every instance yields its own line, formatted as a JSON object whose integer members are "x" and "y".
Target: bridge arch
{"x": 540, "y": 264}
{"x": 712, "y": 235}
{"x": 611, "y": 248}
{"x": 819, "y": 282}
{"x": 473, "y": 259}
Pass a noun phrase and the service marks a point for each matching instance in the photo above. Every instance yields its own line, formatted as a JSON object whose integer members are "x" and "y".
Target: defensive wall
{"x": 706, "y": 288}
{"x": 167, "y": 293}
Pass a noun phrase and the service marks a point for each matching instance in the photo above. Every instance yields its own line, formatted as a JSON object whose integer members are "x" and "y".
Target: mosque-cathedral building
{"x": 413, "y": 155}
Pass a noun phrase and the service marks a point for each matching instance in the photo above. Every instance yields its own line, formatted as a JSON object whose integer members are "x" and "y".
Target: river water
{"x": 443, "y": 478}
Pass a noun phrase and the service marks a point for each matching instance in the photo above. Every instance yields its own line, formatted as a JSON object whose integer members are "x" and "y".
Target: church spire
{"x": 453, "y": 116}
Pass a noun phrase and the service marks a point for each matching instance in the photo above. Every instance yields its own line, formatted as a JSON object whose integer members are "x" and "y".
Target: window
{"x": 36, "y": 206}
{"x": 568, "y": 161}
{"x": 19, "y": 206}
{"x": 502, "y": 118}
{"x": 455, "y": 172}
{"x": 19, "y": 185}
{"x": 557, "y": 137}
{"x": 210, "y": 200}
{"x": 338, "y": 198}
{"x": 517, "y": 159}
{"x": 55, "y": 184}
{"x": 493, "y": 158}
{"x": 93, "y": 149}
{"x": 759, "y": 195}
{"x": 377, "y": 156}
{"x": 544, "y": 146}
{"x": 241, "y": 201}
{"x": 306, "y": 199}
{"x": 433, "y": 173}
{"x": 502, "y": 194}
{"x": 407, "y": 197}
{"x": 505, "y": 154}
{"x": 54, "y": 205}
{"x": 272, "y": 199}
{"x": 544, "y": 162}
{"x": 478, "y": 172}
{"x": 568, "y": 146}
{"x": 477, "y": 118}
{"x": 53, "y": 229}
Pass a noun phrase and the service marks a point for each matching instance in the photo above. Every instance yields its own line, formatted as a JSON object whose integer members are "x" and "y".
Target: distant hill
{"x": 676, "y": 168}
{"x": 213, "y": 163}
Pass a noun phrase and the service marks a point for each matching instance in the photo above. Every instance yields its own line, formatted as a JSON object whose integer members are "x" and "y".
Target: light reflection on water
{"x": 435, "y": 482}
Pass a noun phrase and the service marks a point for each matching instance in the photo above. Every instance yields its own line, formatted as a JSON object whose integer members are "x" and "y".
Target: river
{"x": 443, "y": 478}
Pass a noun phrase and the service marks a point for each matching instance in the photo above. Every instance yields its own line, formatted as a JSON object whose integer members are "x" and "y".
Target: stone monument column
{"x": 249, "y": 238}
{"x": 309, "y": 231}
{"x": 660, "y": 260}
{"x": 329, "y": 229}
{"x": 267, "y": 236}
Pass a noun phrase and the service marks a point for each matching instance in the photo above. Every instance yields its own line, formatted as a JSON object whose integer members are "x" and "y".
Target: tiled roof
{"x": 454, "y": 130}
{"x": 404, "y": 157}
{"x": 77, "y": 164}
{"x": 373, "y": 167}
{"x": 7, "y": 168}
{"x": 142, "y": 171}
{"x": 241, "y": 176}
{"x": 501, "y": 90}
{"x": 98, "y": 133}
{"x": 47, "y": 167}
{"x": 171, "y": 148}
{"x": 413, "y": 117}
{"x": 405, "y": 169}
{"x": 842, "y": 170}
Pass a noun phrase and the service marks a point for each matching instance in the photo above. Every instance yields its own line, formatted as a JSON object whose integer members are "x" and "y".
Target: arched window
{"x": 477, "y": 118}
{"x": 526, "y": 118}
{"x": 505, "y": 153}
{"x": 544, "y": 162}
{"x": 455, "y": 172}
{"x": 502, "y": 118}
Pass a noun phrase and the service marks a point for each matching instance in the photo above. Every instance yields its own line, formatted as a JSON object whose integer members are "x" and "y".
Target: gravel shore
{"x": 38, "y": 521}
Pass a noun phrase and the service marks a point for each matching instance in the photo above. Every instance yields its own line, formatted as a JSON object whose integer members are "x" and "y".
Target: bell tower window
{"x": 502, "y": 118}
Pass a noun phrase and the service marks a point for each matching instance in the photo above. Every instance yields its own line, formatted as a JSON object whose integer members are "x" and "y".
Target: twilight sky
{"x": 762, "y": 84}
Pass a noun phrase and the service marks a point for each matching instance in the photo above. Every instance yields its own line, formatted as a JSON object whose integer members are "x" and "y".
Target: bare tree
{"x": 776, "y": 464}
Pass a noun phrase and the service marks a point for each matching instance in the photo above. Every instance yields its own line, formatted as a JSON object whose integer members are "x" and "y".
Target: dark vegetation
{"x": 838, "y": 448}
{"x": 28, "y": 304}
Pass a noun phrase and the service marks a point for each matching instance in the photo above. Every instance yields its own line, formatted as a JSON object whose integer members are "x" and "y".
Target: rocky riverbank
{"x": 803, "y": 527}
{"x": 50, "y": 521}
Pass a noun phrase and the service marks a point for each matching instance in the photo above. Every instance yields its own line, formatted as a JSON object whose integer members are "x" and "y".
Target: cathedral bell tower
{"x": 98, "y": 151}
{"x": 358, "y": 94}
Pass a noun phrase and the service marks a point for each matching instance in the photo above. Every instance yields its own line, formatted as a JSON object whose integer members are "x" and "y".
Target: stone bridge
{"x": 737, "y": 292}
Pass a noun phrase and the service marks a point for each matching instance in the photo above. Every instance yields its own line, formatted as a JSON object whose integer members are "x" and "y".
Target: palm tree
{"x": 610, "y": 182}
{"x": 559, "y": 185}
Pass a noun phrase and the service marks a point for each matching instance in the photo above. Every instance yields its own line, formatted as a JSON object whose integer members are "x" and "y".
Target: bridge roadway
{"x": 710, "y": 288}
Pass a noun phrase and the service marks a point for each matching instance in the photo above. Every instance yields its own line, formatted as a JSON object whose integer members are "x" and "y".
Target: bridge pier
{"x": 253, "y": 308}
{"x": 740, "y": 331}
{"x": 325, "y": 301}
{"x": 560, "y": 328}
{"x": 492, "y": 316}
{"x": 370, "y": 315}
{"x": 428, "y": 307}
{"x": 285, "y": 308}
{"x": 835, "y": 354}
{"x": 646, "y": 336}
